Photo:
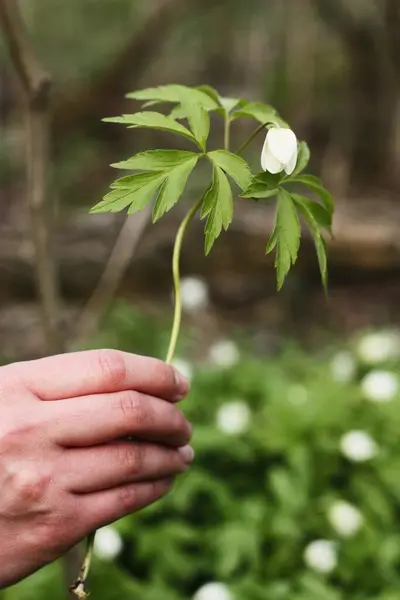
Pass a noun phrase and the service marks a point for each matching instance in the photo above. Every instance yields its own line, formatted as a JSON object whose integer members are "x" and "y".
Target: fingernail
{"x": 187, "y": 453}
{"x": 182, "y": 384}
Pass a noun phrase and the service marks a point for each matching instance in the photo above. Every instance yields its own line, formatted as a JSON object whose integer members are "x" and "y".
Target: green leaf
{"x": 211, "y": 92}
{"x": 156, "y": 160}
{"x": 319, "y": 242}
{"x": 287, "y": 234}
{"x": 218, "y": 207}
{"x": 263, "y": 113}
{"x": 230, "y": 103}
{"x": 263, "y": 185}
{"x": 199, "y": 122}
{"x": 176, "y": 94}
{"x": 152, "y": 120}
{"x": 134, "y": 191}
{"x": 303, "y": 158}
{"x": 172, "y": 188}
{"x": 233, "y": 165}
{"x": 178, "y": 112}
{"x": 319, "y": 212}
{"x": 316, "y": 185}
{"x": 134, "y": 182}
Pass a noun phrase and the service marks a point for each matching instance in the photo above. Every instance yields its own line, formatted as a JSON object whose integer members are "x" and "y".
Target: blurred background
{"x": 295, "y": 491}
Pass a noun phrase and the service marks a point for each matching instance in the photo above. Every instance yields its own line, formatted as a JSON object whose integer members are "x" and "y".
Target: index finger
{"x": 100, "y": 371}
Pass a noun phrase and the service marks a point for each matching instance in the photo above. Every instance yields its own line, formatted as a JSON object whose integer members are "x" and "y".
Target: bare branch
{"x": 36, "y": 84}
{"x": 116, "y": 267}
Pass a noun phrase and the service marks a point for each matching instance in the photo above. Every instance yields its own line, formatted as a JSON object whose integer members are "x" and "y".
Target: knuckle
{"x": 131, "y": 458}
{"x": 127, "y": 498}
{"x": 112, "y": 367}
{"x": 132, "y": 408}
{"x": 30, "y": 484}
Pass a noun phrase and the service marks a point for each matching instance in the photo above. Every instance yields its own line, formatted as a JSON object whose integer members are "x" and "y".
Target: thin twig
{"x": 36, "y": 83}
{"x": 114, "y": 271}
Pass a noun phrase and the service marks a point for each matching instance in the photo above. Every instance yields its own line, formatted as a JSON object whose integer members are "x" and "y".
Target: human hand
{"x": 66, "y": 465}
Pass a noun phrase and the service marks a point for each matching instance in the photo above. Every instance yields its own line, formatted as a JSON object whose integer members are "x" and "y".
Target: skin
{"x": 67, "y": 466}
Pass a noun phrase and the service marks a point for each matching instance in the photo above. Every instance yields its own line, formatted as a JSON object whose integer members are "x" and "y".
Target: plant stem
{"x": 251, "y": 138}
{"x": 227, "y": 131}
{"x": 78, "y": 588}
{"x": 177, "y": 280}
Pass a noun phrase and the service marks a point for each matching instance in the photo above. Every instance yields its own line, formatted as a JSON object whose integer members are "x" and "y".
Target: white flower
{"x": 297, "y": 395}
{"x": 279, "y": 151}
{"x": 380, "y": 386}
{"x": 213, "y": 591}
{"x": 321, "y": 556}
{"x": 379, "y": 347}
{"x": 233, "y": 417}
{"x": 107, "y": 543}
{"x": 343, "y": 367}
{"x": 345, "y": 518}
{"x": 194, "y": 294}
{"x": 184, "y": 367}
{"x": 224, "y": 353}
{"x": 358, "y": 446}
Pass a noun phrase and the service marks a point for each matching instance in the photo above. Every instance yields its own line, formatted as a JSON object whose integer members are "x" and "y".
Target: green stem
{"x": 78, "y": 588}
{"x": 251, "y": 138}
{"x": 177, "y": 280}
{"x": 227, "y": 131}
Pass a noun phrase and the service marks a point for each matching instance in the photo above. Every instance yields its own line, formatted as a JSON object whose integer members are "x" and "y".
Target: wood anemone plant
{"x": 162, "y": 175}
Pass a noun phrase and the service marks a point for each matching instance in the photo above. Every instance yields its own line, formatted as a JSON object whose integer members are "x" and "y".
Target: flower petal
{"x": 282, "y": 143}
{"x": 268, "y": 160}
{"x": 291, "y": 164}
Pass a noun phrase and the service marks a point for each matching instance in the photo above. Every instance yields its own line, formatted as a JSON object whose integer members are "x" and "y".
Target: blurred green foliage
{"x": 258, "y": 495}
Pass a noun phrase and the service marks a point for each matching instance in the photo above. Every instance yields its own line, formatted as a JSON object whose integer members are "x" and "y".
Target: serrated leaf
{"x": 263, "y": 113}
{"x": 134, "y": 182}
{"x": 144, "y": 195}
{"x": 303, "y": 158}
{"x": 319, "y": 242}
{"x": 172, "y": 188}
{"x": 199, "y": 122}
{"x": 134, "y": 191}
{"x": 235, "y": 166}
{"x": 152, "y": 120}
{"x": 319, "y": 212}
{"x": 316, "y": 185}
{"x": 218, "y": 207}
{"x": 175, "y": 93}
{"x": 156, "y": 160}
{"x": 287, "y": 232}
{"x": 211, "y": 92}
{"x": 263, "y": 185}
{"x": 230, "y": 103}
{"x": 178, "y": 113}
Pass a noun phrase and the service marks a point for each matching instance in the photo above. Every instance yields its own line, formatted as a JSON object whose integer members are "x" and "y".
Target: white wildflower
{"x": 379, "y": 347}
{"x": 213, "y": 591}
{"x": 345, "y": 518}
{"x": 224, "y": 353}
{"x": 233, "y": 417}
{"x": 279, "y": 151}
{"x": 194, "y": 294}
{"x": 380, "y": 386}
{"x": 321, "y": 555}
{"x": 358, "y": 446}
{"x": 184, "y": 367}
{"x": 343, "y": 367}
{"x": 107, "y": 543}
